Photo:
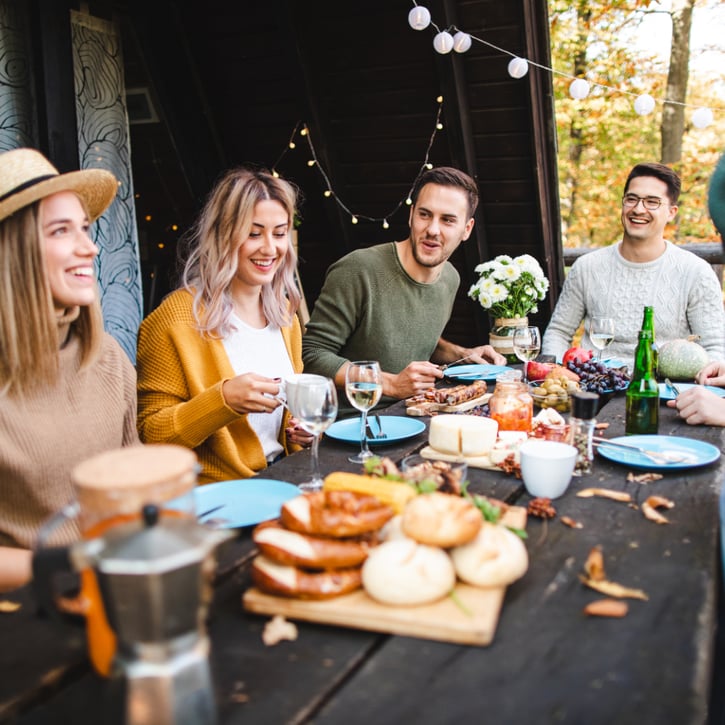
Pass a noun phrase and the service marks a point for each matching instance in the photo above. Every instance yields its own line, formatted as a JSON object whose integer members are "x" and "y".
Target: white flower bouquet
{"x": 510, "y": 286}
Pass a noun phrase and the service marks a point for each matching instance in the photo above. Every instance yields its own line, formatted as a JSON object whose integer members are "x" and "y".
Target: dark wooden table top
{"x": 549, "y": 663}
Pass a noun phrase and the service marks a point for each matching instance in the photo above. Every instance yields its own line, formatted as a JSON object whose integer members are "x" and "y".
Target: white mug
{"x": 546, "y": 467}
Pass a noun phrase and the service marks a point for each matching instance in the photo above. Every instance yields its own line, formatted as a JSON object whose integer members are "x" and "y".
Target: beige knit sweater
{"x": 44, "y": 436}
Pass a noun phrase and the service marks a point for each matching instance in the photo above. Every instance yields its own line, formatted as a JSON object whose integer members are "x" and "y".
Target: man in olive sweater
{"x": 391, "y": 302}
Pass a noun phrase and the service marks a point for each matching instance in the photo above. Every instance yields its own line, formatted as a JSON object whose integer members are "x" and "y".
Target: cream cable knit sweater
{"x": 44, "y": 436}
{"x": 683, "y": 289}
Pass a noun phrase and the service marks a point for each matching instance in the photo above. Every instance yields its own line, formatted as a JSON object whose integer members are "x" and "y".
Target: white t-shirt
{"x": 263, "y": 352}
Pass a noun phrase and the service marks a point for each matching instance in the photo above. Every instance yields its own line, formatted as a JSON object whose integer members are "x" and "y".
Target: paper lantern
{"x": 419, "y": 18}
{"x": 518, "y": 67}
{"x": 644, "y": 104}
{"x": 702, "y": 118}
{"x": 443, "y": 42}
{"x": 579, "y": 89}
{"x": 461, "y": 42}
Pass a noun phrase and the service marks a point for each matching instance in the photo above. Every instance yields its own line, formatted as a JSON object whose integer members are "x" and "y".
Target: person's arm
{"x": 448, "y": 352}
{"x": 567, "y": 316}
{"x": 15, "y": 567}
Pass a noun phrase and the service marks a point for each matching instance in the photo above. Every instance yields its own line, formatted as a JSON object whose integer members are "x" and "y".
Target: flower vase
{"x": 501, "y": 337}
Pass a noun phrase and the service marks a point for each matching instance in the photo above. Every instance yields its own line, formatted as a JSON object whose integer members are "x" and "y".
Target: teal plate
{"x": 475, "y": 372}
{"x": 699, "y": 452}
{"x": 396, "y": 427}
{"x": 667, "y": 394}
{"x": 243, "y": 502}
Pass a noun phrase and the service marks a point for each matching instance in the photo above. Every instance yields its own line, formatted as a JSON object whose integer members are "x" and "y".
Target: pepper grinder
{"x": 582, "y": 422}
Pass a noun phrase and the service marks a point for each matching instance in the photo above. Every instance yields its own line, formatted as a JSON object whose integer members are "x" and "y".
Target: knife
{"x": 672, "y": 387}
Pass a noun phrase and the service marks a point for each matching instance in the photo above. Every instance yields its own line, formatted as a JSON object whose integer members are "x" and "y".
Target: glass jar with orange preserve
{"x": 511, "y": 405}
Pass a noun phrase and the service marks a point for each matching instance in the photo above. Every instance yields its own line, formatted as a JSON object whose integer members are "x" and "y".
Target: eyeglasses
{"x": 649, "y": 202}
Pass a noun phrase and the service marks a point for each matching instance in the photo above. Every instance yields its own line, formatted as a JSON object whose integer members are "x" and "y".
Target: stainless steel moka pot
{"x": 154, "y": 577}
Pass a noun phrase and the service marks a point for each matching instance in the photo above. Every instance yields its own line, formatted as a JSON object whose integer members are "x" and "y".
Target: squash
{"x": 681, "y": 359}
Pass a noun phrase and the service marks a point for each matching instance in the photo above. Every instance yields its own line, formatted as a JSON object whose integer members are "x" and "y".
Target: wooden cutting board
{"x": 472, "y": 620}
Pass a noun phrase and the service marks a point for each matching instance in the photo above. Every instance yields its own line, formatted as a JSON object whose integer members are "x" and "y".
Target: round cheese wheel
{"x": 406, "y": 573}
{"x": 466, "y": 435}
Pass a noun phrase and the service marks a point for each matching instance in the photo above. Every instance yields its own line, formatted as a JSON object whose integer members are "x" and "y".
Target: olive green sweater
{"x": 371, "y": 309}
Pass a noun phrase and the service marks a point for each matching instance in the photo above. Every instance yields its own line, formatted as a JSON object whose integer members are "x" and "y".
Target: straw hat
{"x": 716, "y": 196}
{"x": 27, "y": 176}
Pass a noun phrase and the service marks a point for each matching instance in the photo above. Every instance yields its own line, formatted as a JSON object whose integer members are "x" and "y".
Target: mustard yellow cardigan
{"x": 180, "y": 377}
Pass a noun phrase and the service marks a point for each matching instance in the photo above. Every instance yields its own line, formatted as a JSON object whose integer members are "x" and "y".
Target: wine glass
{"x": 312, "y": 399}
{"x": 601, "y": 333}
{"x": 363, "y": 387}
{"x": 527, "y": 345}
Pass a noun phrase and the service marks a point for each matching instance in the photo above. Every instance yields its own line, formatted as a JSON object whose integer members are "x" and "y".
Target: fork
{"x": 659, "y": 457}
{"x": 381, "y": 433}
{"x": 672, "y": 386}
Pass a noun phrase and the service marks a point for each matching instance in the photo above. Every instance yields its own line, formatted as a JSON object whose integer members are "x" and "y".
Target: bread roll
{"x": 441, "y": 519}
{"x": 495, "y": 558}
{"x": 393, "y": 530}
{"x": 406, "y": 573}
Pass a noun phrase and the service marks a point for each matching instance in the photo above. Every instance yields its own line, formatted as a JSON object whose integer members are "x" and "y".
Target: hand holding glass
{"x": 527, "y": 345}
{"x": 312, "y": 399}
{"x": 363, "y": 387}
{"x": 601, "y": 333}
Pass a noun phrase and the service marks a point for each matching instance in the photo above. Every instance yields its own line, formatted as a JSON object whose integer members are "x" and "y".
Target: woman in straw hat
{"x": 211, "y": 357}
{"x": 67, "y": 390}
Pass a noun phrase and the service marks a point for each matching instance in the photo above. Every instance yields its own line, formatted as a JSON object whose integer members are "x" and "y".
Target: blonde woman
{"x": 67, "y": 390}
{"x": 212, "y": 355}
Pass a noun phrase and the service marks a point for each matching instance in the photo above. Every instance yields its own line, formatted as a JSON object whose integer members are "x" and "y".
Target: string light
{"x": 303, "y": 131}
{"x": 419, "y": 18}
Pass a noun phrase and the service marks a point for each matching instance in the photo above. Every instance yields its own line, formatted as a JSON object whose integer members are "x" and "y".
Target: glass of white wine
{"x": 527, "y": 345}
{"x": 363, "y": 387}
{"x": 312, "y": 399}
{"x": 601, "y": 333}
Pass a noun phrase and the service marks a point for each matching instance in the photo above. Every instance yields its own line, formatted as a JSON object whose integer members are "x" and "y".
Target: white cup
{"x": 546, "y": 467}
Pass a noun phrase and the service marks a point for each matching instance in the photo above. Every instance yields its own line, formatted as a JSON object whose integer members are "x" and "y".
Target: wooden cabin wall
{"x": 366, "y": 84}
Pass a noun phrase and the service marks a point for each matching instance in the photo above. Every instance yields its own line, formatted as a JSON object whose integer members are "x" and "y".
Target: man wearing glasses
{"x": 642, "y": 269}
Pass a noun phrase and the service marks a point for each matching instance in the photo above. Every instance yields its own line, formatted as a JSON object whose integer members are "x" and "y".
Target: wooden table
{"x": 549, "y": 663}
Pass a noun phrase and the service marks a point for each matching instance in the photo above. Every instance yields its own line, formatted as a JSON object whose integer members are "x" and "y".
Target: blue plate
{"x": 613, "y": 362}
{"x": 397, "y": 427}
{"x": 699, "y": 452}
{"x": 243, "y": 502}
{"x": 667, "y": 394}
{"x": 475, "y": 372}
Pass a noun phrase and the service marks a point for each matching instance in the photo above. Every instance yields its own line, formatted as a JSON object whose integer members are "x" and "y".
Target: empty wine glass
{"x": 527, "y": 345}
{"x": 601, "y": 333}
{"x": 312, "y": 399}
{"x": 363, "y": 387}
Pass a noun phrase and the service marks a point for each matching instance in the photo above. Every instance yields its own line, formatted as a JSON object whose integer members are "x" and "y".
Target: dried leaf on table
{"x": 606, "y": 608}
{"x": 277, "y": 629}
{"x": 650, "y": 506}
{"x": 601, "y": 426}
{"x": 594, "y": 565}
{"x": 612, "y": 589}
{"x": 604, "y": 493}
{"x": 643, "y": 477}
{"x": 568, "y": 521}
{"x": 7, "y": 607}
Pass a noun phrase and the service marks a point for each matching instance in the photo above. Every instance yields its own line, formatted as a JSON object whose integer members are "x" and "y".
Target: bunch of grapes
{"x": 596, "y": 377}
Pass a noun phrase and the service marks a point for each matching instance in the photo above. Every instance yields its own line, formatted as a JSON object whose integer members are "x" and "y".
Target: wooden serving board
{"x": 430, "y": 408}
{"x": 472, "y": 621}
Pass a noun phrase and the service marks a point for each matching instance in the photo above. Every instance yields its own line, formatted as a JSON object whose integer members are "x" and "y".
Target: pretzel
{"x": 312, "y": 552}
{"x": 335, "y": 513}
{"x": 290, "y": 581}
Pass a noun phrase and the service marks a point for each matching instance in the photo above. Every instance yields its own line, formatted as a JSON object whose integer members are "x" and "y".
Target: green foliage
{"x": 601, "y": 137}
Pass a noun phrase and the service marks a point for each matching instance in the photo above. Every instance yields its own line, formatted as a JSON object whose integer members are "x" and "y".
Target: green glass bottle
{"x": 648, "y": 323}
{"x": 643, "y": 395}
